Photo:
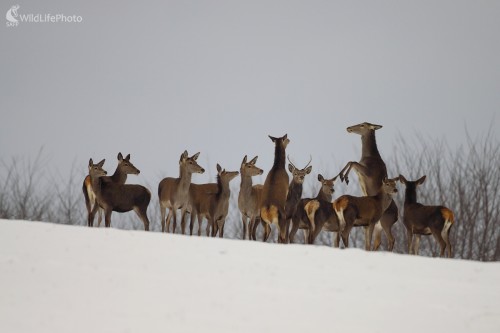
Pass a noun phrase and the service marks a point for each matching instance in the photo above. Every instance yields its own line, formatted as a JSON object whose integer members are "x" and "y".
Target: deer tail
{"x": 339, "y": 206}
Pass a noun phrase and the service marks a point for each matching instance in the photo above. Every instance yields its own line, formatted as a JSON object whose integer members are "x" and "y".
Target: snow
{"x": 59, "y": 278}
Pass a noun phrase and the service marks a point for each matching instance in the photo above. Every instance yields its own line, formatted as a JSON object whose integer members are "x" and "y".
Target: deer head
{"x": 299, "y": 174}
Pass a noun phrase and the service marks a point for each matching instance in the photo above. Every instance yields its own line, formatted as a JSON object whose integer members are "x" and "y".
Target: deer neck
{"x": 223, "y": 189}
{"x": 246, "y": 185}
{"x": 369, "y": 145}
{"x": 279, "y": 157}
{"x": 118, "y": 177}
{"x": 184, "y": 179}
{"x": 323, "y": 196}
{"x": 410, "y": 196}
{"x": 294, "y": 191}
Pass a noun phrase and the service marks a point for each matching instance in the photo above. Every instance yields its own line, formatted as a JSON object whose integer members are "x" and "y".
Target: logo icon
{"x": 11, "y": 16}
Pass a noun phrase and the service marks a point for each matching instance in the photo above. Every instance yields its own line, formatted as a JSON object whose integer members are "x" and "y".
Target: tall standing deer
{"x": 119, "y": 198}
{"x": 173, "y": 193}
{"x": 248, "y": 198}
{"x": 275, "y": 192}
{"x": 371, "y": 170}
{"x": 124, "y": 168}
{"x": 295, "y": 191}
{"x": 310, "y": 211}
{"x": 363, "y": 211}
{"x": 425, "y": 220}
{"x": 219, "y": 203}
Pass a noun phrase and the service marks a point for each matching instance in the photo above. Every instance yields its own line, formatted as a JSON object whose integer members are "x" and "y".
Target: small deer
{"x": 295, "y": 191}
{"x": 199, "y": 204}
{"x": 117, "y": 197}
{"x": 371, "y": 170}
{"x": 248, "y": 203}
{"x": 124, "y": 168}
{"x": 275, "y": 191}
{"x": 219, "y": 202}
{"x": 425, "y": 220}
{"x": 305, "y": 215}
{"x": 364, "y": 211}
{"x": 173, "y": 193}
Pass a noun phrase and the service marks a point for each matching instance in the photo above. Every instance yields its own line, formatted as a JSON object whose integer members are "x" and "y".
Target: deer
{"x": 199, "y": 204}
{"x": 248, "y": 197}
{"x": 275, "y": 190}
{"x": 219, "y": 202}
{"x": 124, "y": 168}
{"x": 121, "y": 198}
{"x": 371, "y": 170}
{"x": 295, "y": 191}
{"x": 305, "y": 217}
{"x": 173, "y": 193}
{"x": 364, "y": 211}
{"x": 420, "y": 219}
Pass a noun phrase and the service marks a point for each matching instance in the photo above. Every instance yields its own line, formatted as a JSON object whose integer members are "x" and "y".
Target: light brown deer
{"x": 219, "y": 202}
{"x": 371, "y": 170}
{"x": 305, "y": 217}
{"x": 124, "y": 168}
{"x": 275, "y": 191}
{"x": 425, "y": 220}
{"x": 173, "y": 193}
{"x": 119, "y": 198}
{"x": 363, "y": 211}
{"x": 248, "y": 197}
{"x": 199, "y": 204}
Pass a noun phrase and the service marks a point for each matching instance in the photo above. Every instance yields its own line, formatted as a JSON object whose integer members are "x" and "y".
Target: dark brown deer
{"x": 305, "y": 217}
{"x": 248, "y": 197}
{"x": 371, "y": 170}
{"x": 124, "y": 168}
{"x": 275, "y": 192}
{"x": 219, "y": 202}
{"x": 199, "y": 204}
{"x": 295, "y": 189}
{"x": 363, "y": 211}
{"x": 119, "y": 198}
{"x": 173, "y": 193}
{"x": 425, "y": 220}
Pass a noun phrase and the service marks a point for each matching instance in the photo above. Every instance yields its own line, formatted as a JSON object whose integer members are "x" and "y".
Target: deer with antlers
{"x": 275, "y": 192}
{"x": 425, "y": 220}
{"x": 371, "y": 171}
{"x": 112, "y": 197}
{"x": 173, "y": 193}
{"x": 249, "y": 196}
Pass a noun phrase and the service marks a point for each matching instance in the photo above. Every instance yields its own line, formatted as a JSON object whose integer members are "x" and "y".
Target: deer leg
{"x": 305, "y": 233}
{"x": 183, "y": 220}
{"x": 245, "y": 226}
{"x": 367, "y": 238}
{"x": 163, "y": 211}
{"x": 221, "y": 228}
{"x": 377, "y": 235}
{"x": 141, "y": 213}
{"x": 336, "y": 239}
{"x": 200, "y": 222}
{"x": 341, "y": 173}
{"x": 92, "y": 215}
{"x": 209, "y": 223}
{"x": 168, "y": 219}
{"x": 191, "y": 222}
{"x": 99, "y": 215}
{"x": 107, "y": 217}
{"x": 295, "y": 227}
{"x": 446, "y": 236}
{"x": 440, "y": 240}
{"x": 267, "y": 231}
{"x": 359, "y": 168}
{"x": 174, "y": 216}
{"x": 410, "y": 239}
{"x": 255, "y": 226}
{"x": 416, "y": 246}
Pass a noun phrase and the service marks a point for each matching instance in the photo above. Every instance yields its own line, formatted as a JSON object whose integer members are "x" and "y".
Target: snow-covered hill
{"x": 57, "y": 278}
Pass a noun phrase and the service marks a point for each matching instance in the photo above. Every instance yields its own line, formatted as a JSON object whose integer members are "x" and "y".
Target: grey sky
{"x": 153, "y": 78}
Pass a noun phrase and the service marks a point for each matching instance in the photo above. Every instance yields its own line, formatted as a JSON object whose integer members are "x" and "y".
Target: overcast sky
{"x": 153, "y": 78}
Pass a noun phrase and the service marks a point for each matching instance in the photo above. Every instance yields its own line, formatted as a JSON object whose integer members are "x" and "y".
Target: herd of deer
{"x": 278, "y": 201}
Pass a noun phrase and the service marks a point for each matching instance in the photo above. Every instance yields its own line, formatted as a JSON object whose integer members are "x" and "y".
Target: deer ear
{"x": 320, "y": 177}
{"x": 219, "y": 169}
{"x": 100, "y": 164}
{"x": 273, "y": 139}
{"x": 285, "y": 136}
{"x": 91, "y": 162}
{"x": 120, "y": 157}
{"x": 290, "y": 168}
{"x": 254, "y": 160}
{"x": 309, "y": 169}
{"x": 402, "y": 179}
{"x": 244, "y": 160}
{"x": 376, "y": 127}
{"x": 195, "y": 156}
{"x": 127, "y": 158}
{"x": 184, "y": 155}
{"x": 421, "y": 180}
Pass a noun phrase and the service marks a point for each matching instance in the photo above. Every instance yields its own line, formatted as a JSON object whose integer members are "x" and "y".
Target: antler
{"x": 288, "y": 158}
{"x": 310, "y": 160}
